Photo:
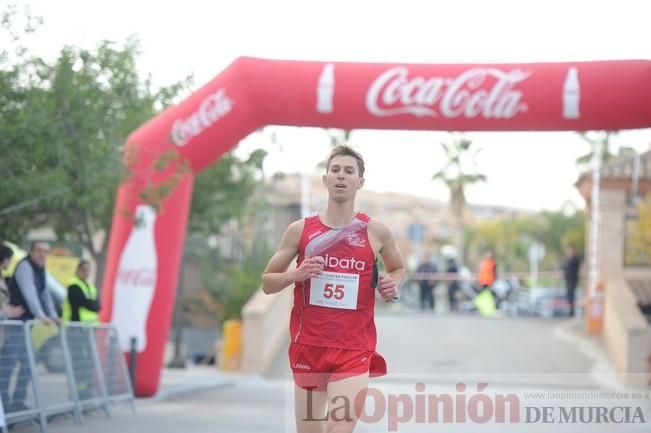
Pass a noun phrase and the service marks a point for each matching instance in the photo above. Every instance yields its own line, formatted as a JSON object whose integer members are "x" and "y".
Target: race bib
{"x": 335, "y": 290}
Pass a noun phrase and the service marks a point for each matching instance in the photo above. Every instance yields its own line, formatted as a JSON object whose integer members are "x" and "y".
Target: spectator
{"x": 81, "y": 305}
{"x": 571, "y": 267}
{"x": 427, "y": 283}
{"x": 487, "y": 271}
{"x": 28, "y": 290}
{"x": 486, "y": 300}
{"x": 452, "y": 270}
{"x": 7, "y": 311}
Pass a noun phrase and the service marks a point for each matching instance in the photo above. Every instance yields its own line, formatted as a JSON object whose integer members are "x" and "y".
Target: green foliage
{"x": 63, "y": 125}
{"x": 337, "y": 138}
{"x": 62, "y": 128}
{"x": 454, "y": 173}
{"x": 511, "y": 238}
{"x": 242, "y": 281}
{"x": 222, "y": 191}
{"x": 229, "y": 285}
{"x": 593, "y": 138}
{"x": 638, "y": 242}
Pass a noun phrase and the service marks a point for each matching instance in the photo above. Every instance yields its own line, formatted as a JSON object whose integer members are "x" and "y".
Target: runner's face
{"x": 342, "y": 178}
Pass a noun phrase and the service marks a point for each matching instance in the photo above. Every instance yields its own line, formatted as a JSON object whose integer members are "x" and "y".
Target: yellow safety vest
{"x": 90, "y": 291}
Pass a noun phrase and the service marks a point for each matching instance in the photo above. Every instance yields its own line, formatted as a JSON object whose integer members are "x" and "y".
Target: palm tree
{"x": 456, "y": 178}
{"x": 337, "y": 137}
{"x": 593, "y": 138}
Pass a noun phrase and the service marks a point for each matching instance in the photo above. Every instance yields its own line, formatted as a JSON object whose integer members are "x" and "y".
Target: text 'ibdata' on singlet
{"x": 335, "y": 290}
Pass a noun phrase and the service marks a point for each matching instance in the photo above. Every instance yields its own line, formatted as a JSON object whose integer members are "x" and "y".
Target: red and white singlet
{"x": 336, "y": 309}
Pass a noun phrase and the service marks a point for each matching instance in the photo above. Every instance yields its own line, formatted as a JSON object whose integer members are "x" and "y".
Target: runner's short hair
{"x": 344, "y": 150}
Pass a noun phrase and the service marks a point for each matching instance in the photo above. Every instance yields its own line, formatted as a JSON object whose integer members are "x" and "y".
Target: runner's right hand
{"x": 309, "y": 268}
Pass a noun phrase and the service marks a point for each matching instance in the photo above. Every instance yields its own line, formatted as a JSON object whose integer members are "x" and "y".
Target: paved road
{"x": 516, "y": 357}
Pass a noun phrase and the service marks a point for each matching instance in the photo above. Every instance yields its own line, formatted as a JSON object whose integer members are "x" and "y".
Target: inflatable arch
{"x": 144, "y": 258}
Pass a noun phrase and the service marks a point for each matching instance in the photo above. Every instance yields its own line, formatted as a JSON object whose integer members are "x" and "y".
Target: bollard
{"x": 595, "y": 310}
{"x": 231, "y": 353}
{"x": 133, "y": 354}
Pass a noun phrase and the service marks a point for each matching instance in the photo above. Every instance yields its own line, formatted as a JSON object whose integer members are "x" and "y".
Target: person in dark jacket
{"x": 27, "y": 289}
{"x": 452, "y": 270}
{"x": 427, "y": 283}
{"x": 571, "y": 267}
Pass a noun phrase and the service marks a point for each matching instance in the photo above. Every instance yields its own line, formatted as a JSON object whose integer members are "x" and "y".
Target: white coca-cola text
{"x": 212, "y": 108}
{"x": 136, "y": 277}
{"x": 487, "y": 92}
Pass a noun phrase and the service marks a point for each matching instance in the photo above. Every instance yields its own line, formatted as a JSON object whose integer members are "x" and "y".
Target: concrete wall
{"x": 265, "y": 329}
{"x": 612, "y": 210}
{"x": 626, "y": 333}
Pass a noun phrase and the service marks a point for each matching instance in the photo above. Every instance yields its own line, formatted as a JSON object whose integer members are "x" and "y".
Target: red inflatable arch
{"x": 143, "y": 260}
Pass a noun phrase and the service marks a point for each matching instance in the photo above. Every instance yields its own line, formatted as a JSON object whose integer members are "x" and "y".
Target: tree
{"x": 222, "y": 191}
{"x": 511, "y": 238}
{"x": 22, "y": 104}
{"x": 337, "y": 137}
{"x": 594, "y": 138}
{"x": 455, "y": 176}
{"x": 638, "y": 245}
{"x": 68, "y": 139}
{"x": 603, "y": 138}
{"x": 63, "y": 126}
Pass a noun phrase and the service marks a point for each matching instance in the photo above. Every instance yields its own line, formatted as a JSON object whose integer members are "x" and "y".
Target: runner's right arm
{"x": 276, "y": 276}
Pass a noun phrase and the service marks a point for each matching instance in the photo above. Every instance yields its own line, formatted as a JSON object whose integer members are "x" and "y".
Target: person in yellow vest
{"x": 82, "y": 302}
{"x": 81, "y": 305}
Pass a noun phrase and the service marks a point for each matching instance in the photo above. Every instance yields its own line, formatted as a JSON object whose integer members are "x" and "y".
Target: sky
{"x": 527, "y": 170}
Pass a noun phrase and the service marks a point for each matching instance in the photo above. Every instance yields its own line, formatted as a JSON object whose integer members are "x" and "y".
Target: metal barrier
{"x": 21, "y": 398}
{"x": 55, "y": 386}
{"x": 89, "y": 380}
{"x": 48, "y": 370}
{"x": 113, "y": 365}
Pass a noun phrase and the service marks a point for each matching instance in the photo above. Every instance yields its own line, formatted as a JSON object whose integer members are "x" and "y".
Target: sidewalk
{"x": 152, "y": 413}
{"x": 179, "y": 381}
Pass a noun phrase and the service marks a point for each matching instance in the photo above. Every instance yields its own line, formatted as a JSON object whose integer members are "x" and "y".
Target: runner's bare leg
{"x": 352, "y": 392}
{"x": 309, "y": 410}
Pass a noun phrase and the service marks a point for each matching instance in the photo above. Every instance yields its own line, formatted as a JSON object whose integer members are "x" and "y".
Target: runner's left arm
{"x": 393, "y": 262}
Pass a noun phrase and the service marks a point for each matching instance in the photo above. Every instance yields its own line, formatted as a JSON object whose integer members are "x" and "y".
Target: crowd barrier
{"x": 49, "y": 370}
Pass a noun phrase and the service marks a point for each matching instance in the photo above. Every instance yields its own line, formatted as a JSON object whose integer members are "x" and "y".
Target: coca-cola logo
{"x": 212, "y": 108}
{"x": 137, "y": 277}
{"x": 486, "y": 92}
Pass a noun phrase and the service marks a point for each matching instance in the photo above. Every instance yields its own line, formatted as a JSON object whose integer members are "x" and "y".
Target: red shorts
{"x": 314, "y": 367}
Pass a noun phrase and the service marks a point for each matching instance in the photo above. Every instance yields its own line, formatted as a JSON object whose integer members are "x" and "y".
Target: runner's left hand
{"x": 387, "y": 287}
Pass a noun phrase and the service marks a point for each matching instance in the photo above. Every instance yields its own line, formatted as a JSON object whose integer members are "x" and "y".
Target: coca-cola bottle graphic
{"x": 571, "y": 94}
{"x": 325, "y": 89}
{"x": 136, "y": 281}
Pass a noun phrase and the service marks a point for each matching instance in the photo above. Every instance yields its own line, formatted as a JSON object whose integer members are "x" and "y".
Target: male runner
{"x": 333, "y": 337}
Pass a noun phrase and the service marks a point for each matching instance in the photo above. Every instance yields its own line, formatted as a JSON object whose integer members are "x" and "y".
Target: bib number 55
{"x": 333, "y": 291}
